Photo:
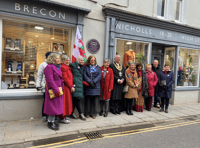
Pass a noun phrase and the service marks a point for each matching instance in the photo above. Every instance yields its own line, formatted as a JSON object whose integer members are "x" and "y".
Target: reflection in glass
{"x": 170, "y": 57}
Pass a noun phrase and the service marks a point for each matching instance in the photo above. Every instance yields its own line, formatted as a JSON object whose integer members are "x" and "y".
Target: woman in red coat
{"x": 68, "y": 89}
{"x": 152, "y": 81}
{"x": 107, "y": 82}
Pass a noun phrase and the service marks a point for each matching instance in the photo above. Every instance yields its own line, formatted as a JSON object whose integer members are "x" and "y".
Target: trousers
{"x": 164, "y": 102}
{"x": 91, "y": 105}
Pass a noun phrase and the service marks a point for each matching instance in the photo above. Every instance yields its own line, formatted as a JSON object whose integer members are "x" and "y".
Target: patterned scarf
{"x": 139, "y": 73}
{"x": 134, "y": 76}
{"x": 92, "y": 68}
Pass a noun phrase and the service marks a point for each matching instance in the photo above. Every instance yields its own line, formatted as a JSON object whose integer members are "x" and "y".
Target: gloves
{"x": 165, "y": 87}
{"x": 92, "y": 84}
{"x": 38, "y": 88}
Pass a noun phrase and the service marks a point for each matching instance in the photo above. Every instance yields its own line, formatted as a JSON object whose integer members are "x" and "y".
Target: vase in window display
{"x": 129, "y": 55}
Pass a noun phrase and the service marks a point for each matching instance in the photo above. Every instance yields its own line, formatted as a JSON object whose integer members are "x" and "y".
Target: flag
{"x": 78, "y": 49}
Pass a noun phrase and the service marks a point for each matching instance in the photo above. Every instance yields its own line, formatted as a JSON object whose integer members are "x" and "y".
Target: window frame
{"x": 6, "y": 93}
{"x": 180, "y": 20}
{"x": 165, "y": 11}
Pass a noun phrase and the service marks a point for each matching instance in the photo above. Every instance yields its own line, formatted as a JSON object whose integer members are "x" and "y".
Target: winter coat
{"x": 68, "y": 84}
{"x": 95, "y": 77}
{"x": 117, "y": 94}
{"x": 132, "y": 91}
{"x": 144, "y": 83}
{"x": 152, "y": 81}
{"x": 40, "y": 82}
{"x": 169, "y": 77}
{"x": 77, "y": 72}
{"x": 157, "y": 71}
{"x": 54, "y": 81}
{"x": 107, "y": 83}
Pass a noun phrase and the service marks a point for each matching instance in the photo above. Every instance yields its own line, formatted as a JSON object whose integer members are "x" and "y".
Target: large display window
{"x": 132, "y": 50}
{"x": 170, "y": 57}
{"x": 188, "y": 67}
{"x": 23, "y": 49}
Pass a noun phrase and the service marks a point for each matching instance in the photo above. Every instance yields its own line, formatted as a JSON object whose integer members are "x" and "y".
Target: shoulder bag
{"x": 52, "y": 94}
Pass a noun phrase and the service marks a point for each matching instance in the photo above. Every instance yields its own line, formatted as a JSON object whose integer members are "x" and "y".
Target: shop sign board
{"x": 28, "y": 8}
{"x": 155, "y": 33}
{"x": 93, "y": 46}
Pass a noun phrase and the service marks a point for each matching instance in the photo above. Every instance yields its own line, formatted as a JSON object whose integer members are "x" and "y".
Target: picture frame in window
{"x": 57, "y": 47}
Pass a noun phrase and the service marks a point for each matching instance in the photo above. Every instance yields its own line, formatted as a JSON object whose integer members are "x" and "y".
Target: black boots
{"x": 101, "y": 113}
{"x": 53, "y": 126}
{"x": 129, "y": 104}
{"x": 106, "y": 105}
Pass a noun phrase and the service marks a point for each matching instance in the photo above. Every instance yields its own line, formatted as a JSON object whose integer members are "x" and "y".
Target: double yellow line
{"x": 118, "y": 134}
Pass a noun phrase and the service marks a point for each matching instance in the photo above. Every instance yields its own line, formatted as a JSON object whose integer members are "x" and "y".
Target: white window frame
{"x": 180, "y": 12}
{"x": 165, "y": 11}
{"x": 27, "y": 92}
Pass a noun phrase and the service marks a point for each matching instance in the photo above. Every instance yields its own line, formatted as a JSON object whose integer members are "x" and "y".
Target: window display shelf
{"x": 14, "y": 51}
{"x": 11, "y": 74}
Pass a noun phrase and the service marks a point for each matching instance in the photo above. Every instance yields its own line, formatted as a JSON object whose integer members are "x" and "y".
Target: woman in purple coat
{"x": 53, "y": 75}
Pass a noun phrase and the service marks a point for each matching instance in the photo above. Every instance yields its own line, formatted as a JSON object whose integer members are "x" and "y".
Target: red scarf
{"x": 139, "y": 73}
{"x": 166, "y": 72}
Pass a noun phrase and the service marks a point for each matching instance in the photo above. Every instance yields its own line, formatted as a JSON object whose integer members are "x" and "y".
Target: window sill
{"x": 180, "y": 22}
{"x": 182, "y": 88}
{"x": 160, "y": 17}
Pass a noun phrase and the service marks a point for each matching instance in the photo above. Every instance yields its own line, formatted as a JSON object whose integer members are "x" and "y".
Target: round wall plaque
{"x": 93, "y": 46}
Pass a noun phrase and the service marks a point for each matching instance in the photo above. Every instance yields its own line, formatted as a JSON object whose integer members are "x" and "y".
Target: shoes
{"x": 81, "y": 116}
{"x": 149, "y": 109}
{"x": 73, "y": 116}
{"x": 157, "y": 106}
{"x": 101, "y": 113}
{"x": 106, "y": 114}
{"x": 65, "y": 121}
{"x": 94, "y": 117}
{"x": 161, "y": 110}
{"x": 118, "y": 112}
{"x": 166, "y": 110}
{"x": 113, "y": 111}
{"x": 44, "y": 118}
{"x": 130, "y": 112}
{"x": 53, "y": 126}
{"x": 87, "y": 116}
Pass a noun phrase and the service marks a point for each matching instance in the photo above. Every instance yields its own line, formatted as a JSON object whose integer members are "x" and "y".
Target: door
{"x": 158, "y": 58}
{"x": 169, "y": 57}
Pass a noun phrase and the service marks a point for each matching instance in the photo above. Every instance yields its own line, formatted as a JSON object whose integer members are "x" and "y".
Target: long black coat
{"x": 144, "y": 83}
{"x": 117, "y": 94}
{"x": 157, "y": 71}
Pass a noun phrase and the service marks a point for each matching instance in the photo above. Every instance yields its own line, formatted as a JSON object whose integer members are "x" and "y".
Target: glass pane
{"x": 24, "y": 48}
{"x": 188, "y": 67}
{"x": 178, "y": 9}
{"x": 170, "y": 57}
{"x": 132, "y": 50}
{"x": 161, "y": 7}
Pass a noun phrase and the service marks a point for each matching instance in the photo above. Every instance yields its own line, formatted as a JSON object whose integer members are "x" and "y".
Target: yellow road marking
{"x": 118, "y": 134}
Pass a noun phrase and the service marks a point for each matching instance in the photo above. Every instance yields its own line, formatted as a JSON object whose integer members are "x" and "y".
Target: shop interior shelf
{"x": 15, "y": 51}
{"x": 11, "y": 74}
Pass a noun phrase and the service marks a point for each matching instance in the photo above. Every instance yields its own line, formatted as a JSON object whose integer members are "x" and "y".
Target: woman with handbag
{"x": 107, "y": 82}
{"x": 92, "y": 75}
{"x": 143, "y": 87}
{"x": 53, "y": 104}
{"x": 152, "y": 81}
{"x": 68, "y": 90}
{"x": 166, "y": 80}
{"x": 131, "y": 88}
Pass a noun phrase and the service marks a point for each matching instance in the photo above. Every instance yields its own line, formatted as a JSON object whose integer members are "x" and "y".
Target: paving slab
{"x": 189, "y": 113}
{"x": 3, "y": 124}
{"x": 2, "y": 133}
{"x": 149, "y": 119}
{"x": 85, "y": 125}
{"x": 18, "y": 126}
{"x": 80, "y": 121}
{"x": 64, "y": 128}
{"x": 102, "y": 122}
{"x": 168, "y": 115}
{"x": 19, "y": 135}
{"x": 141, "y": 115}
{"x": 118, "y": 120}
{"x": 132, "y": 119}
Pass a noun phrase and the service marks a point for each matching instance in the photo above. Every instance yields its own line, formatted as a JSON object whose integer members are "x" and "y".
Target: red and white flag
{"x": 79, "y": 49}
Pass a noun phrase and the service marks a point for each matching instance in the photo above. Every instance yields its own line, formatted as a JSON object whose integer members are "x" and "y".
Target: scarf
{"x": 58, "y": 66}
{"x": 134, "y": 76}
{"x": 139, "y": 73}
{"x": 165, "y": 72}
{"x": 92, "y": 68}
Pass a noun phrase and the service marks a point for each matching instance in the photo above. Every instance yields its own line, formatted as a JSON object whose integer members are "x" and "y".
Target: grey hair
{"x": 79, "y": 58}
{"x": 129, "y": 63}
{"x": 106, "y": 60}
{"x": 65, "y": 57}
{"x": 155, "y": 60}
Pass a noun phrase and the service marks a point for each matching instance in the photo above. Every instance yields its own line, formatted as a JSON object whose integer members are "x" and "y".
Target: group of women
{"x": 88, "y": 80}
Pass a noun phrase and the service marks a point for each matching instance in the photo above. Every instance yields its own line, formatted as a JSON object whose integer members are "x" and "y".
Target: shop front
{"x": 29, "y": 29}
{"x": 144, "y": 39}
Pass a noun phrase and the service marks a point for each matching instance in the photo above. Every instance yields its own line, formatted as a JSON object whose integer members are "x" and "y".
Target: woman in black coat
{"x": 166, "y": 80}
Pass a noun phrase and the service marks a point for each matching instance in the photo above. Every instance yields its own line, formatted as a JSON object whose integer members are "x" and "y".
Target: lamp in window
{"x": 32, "y": 65}
{"x": 129, "y": 43}
{"x": 39, "y": 27}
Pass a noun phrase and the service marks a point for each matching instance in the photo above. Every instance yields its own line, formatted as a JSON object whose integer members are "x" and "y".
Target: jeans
{"x": 156, "y": 98}
{"x": 165, "y": 101}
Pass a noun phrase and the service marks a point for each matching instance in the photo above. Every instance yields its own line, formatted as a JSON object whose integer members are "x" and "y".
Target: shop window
{"x": 178, "y": 11}
{"x": 24, "y": 48}
{"x": 170, "y": 57}
{"x": 132, "y": 50}
{"x": 188, "y": 67}
{"x": 161, "y": 8}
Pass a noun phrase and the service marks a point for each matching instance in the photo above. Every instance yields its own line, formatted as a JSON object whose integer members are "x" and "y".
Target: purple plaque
{"x": 93, "y": 46}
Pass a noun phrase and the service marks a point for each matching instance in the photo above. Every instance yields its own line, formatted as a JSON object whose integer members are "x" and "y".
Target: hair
{"x": 47, "y": 54}
{"x": 138, "y": 65}
{"x": 52, "y": 58}
{"x": 106, "y": 60}
{"x": 130, "y": 62}
{"x": 167, "y": 64}
{"x": 154, "y": 61}
{"x": 148, "y": 66}
{"x": 79, "y": 58}
{"x": 88, "y": 60}
{"x": 65, "y": 57}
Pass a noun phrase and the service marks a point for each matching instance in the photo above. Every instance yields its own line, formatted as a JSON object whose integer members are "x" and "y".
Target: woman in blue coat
{"x": 92, "y": 75}
{"x": 166, "y": 80}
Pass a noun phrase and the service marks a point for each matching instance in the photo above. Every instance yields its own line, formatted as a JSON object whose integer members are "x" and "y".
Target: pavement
{"x": 14, "y": 132}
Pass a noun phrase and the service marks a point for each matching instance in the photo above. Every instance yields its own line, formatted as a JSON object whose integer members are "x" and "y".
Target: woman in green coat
{"x": 77, "y": 71}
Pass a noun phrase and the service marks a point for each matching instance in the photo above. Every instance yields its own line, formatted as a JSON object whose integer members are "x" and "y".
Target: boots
{"x": 101, "y": 105}
{"x": 127, "y": 107}
{"x": 130, "y": 107}
{"x": 106, "y": 108}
